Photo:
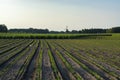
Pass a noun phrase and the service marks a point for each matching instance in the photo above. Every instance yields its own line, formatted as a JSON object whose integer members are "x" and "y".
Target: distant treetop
{"x": 3, "y": 28}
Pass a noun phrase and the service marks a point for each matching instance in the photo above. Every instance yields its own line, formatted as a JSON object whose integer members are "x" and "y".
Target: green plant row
{"x": 24, "y": 67}
{"x": 69, "y": 67}
{"x": 47, "y": 36}
{"x": 91, "y": 61}
{"x": 39, "y": 67}
{"x": 11, "y": 64}
{"x": 83, "y": 66}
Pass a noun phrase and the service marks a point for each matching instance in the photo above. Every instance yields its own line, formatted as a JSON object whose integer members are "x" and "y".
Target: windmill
{"x": 67, "y": 29}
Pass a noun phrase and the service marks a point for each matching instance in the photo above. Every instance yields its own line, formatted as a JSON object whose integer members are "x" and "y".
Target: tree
{"x": 93, "y": 30}
{"x": 3, "y": 28}
{"x": 116, "y": 30}
{"x": 30, "y": 30}
{"x": 108, "y": 30}
{"x": 74, "y": 31}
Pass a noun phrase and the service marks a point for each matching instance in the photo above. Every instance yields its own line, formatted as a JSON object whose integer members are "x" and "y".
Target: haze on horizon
{"x": 57, "y": 14}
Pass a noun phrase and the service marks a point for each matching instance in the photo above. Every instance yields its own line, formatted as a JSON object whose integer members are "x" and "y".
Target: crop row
{"x": 50, "y": 36}
{"x": 24, "y": 59}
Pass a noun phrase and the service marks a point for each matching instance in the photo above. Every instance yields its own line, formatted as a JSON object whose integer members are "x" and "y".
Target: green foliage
{"x": 3, "y": 28}
{"x": 54, "y": 67}
{"x": 48, "y": 36}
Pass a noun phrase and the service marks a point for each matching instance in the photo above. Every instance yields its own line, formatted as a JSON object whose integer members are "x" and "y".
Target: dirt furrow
{"x": 7, "y": 62}
{"x": 29, "y": 74}
{"x": 90, "y": 65}
{"x": 78, "y": 68}
{"x": 47, "y": 73}
{"x": 12, "y": 73}
{"x": 95, "y": 68}
{"x": 66, "y": 75}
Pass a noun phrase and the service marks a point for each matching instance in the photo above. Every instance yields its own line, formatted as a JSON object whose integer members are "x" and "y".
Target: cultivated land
{"x": 93, "y": 58}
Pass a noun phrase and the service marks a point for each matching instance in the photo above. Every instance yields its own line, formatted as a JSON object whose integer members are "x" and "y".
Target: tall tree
{"x": 3, "y": 28}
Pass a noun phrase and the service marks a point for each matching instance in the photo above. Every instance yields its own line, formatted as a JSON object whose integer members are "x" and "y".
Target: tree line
{"x": 4, "y": 29}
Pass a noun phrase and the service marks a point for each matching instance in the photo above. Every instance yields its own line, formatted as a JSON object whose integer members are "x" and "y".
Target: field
{"x": 57, "y": 59}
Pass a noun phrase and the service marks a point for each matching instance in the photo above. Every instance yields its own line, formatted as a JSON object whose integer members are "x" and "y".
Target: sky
{"x": 57, "y": 14}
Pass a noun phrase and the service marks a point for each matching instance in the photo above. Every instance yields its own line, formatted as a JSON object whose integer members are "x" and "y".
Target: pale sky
{"x": 57, "y": 14}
